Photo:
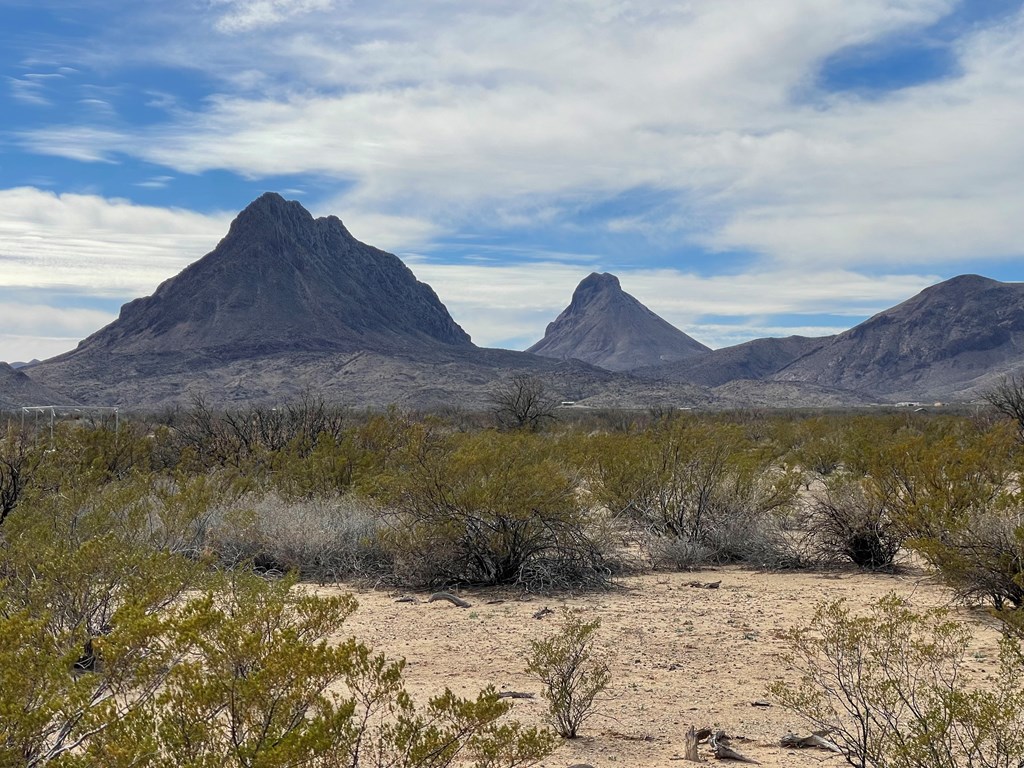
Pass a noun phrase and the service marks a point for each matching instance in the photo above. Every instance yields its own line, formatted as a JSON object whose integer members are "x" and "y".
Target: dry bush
{"x": 325, "y": 539}
{"x": 982, "y": 559}
{"x": 736, "y": 528}
{"x": 849, "y": 523}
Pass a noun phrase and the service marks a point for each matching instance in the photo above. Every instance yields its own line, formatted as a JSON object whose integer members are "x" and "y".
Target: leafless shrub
{"x": 19, "y": 458}
{"x": 849, "y": 523}
{"x": 740, "y": 523}
{"x": 1007, "y": 398}
{"x": 523, "y": 402}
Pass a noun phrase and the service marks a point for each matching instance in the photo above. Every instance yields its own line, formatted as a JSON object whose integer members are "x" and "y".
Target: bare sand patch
{"x": 679, "y": 654}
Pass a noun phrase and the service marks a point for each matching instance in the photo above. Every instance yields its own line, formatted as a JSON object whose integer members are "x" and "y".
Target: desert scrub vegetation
{"x": 571, "y": 677}
{"x": 442, "y": 500}
{"x": 120, "y": 646}
{"x": 128, "y": 553}
{"x": 702, "y": 492}
{"x": 485, "y": 509}
{"x": 890, "y": 689}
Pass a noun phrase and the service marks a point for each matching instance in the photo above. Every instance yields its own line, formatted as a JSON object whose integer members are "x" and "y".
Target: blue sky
{"x": 747, "y": 168}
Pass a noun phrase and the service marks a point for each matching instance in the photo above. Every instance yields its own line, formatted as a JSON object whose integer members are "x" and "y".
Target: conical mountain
{"x": 282, "y": 280}
{"x": 605, "y": 326}
{"x": 946, "y": 341}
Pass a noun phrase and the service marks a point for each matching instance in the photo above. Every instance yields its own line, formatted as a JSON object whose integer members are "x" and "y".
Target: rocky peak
{"x": 282, "y": 280}
{"x": 605, "y": 326}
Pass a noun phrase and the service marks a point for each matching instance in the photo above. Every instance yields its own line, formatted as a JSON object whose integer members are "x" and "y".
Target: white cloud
{"x": 74, "y": 322}
{"x": 438, "y": 114}
{"x": 456, "y": 111}
{"x": 18, "y": 348}
{"x": 38, "y": 331}
{"x": 93, "y": 245}
{"x": 42, "y": 330}
{"x": 245, "y": 15}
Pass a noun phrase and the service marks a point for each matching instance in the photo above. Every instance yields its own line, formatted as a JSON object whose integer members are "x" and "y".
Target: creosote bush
{"x": 259, "y": 685}
{"x": 571, "y": 677}
{"x": 890, "y": 689}
{"x": 488, "y": 508}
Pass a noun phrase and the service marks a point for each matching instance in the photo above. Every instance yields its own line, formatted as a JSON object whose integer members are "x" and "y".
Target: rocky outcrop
{"x": 281, "y": 280}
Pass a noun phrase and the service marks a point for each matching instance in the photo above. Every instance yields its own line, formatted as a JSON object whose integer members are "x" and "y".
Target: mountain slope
{"x": 755, "y": 359}
{"x": 947, "y": 341}
{"x": 18, "y": 389}
{"x": 605, "y": 326}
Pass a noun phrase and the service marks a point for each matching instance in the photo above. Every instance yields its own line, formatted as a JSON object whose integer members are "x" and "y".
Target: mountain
{"x": 605, "y": 326}
{"x": 281, "y": 279}
{"x": 755, "y": 359}
{"x": 287, "y": 304}
{"x": 949, "y": 341}
{"x": 17, "y": 390}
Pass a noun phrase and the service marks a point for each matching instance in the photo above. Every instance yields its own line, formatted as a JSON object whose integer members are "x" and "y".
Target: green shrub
{"x": 119, "y": 650}
{"x": 488, "y": 508}
{"x": 889, "y": 687}
{"x": 572, "y": 679}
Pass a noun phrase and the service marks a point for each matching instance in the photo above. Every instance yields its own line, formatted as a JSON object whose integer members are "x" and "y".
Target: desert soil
{"x": 679, "y": 655}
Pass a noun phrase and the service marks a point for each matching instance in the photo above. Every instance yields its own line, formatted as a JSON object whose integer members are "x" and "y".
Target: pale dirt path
{"x": 678, "y": 655}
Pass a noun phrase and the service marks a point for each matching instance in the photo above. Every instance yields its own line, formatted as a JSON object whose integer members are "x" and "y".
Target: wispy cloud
{"x": 244, "y": 15}
{"x": 43, "y": 330}
{"x": 456, "y": 111}
{"x": 32, "y": 88}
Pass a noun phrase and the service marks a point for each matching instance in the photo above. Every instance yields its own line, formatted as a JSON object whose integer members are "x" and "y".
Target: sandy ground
{"x": 679, "y": 655}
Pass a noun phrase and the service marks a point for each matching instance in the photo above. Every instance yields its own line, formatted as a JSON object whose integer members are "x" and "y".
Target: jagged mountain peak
{"x": 598, "y": 281}
{"x": 282, "y": 280}
{"x": 605, "y": 326}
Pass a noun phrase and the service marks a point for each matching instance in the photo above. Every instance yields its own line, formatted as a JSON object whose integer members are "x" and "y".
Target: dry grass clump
{"x": 323, "y": 539}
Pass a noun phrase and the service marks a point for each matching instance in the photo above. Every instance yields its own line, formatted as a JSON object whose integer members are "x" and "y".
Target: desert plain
{"x": 679, "y": 654}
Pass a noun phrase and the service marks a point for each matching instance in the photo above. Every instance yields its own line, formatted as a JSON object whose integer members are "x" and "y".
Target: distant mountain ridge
{"x": 947, "y": 341}
{"x": 287, "y": 304}
{"x": 756, "y": 359}
{"x": 605, "y": 326}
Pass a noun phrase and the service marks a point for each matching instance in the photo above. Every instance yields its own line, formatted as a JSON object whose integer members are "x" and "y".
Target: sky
{"x": 747, "y": 168}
